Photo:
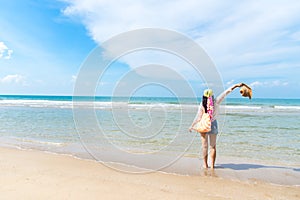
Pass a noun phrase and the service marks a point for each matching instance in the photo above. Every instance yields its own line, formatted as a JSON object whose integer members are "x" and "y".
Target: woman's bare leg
{"x": 213, "y": 149}
{"x": 204, "y": 142}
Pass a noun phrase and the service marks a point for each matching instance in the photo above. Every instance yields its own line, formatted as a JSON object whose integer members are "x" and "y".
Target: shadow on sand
{"x": 244, "y": 166}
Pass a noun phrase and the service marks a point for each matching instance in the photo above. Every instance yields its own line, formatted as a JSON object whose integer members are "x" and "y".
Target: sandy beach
{"x": 30, "y": 174}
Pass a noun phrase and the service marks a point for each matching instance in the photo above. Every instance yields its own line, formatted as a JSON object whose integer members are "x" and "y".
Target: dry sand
{"x": 28, "y": 174}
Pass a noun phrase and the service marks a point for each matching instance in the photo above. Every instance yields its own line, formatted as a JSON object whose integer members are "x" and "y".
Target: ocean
{"x": 152, "y": 132}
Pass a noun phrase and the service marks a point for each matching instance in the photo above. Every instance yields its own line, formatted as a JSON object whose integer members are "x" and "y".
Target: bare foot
{"x": 205, "y": 166}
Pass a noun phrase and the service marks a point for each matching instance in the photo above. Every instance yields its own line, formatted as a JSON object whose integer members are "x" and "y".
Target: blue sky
{"x": 43, "y": 43}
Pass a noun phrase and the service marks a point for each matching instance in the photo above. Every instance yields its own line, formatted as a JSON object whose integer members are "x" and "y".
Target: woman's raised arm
{"x": 221, "y": 97}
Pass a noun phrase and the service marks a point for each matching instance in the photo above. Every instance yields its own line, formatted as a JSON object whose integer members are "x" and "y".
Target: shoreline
{"x": 231, "y": 168}
{"x": 33, "y": 174}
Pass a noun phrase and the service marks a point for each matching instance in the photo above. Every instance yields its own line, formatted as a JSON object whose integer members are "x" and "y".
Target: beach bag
{"x": 204, "y": 125}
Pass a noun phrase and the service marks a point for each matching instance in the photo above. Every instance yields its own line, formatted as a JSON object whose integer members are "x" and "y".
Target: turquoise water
{"x": 129, "y": 129}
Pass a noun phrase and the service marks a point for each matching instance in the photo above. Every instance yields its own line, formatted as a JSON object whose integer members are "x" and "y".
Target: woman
{"x": 210, "y": 105}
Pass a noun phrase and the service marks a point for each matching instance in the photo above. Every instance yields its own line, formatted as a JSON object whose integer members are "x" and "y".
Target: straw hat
{"x": 246, "y": 91}
{"x": 208, "y": 93}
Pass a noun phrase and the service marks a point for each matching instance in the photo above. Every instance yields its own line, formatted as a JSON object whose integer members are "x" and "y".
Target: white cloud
{"x": 295, "y": 36}
{"x": 230, "y": 82}
{"x": 245, "y": 33}
{"x": 255, "y": 84}
{"x": 73, "y": 78}
{"x": 15, "y": 78}
{"x": 5, "y": 52}
{"x": 103, "y": 83}
{"x": 105, "y": 19}
{"x": 274, "y": 83}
